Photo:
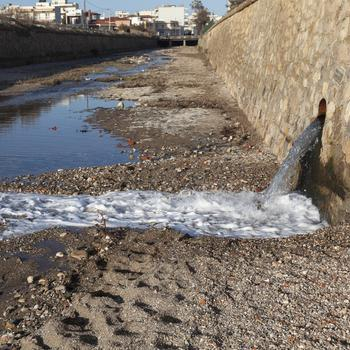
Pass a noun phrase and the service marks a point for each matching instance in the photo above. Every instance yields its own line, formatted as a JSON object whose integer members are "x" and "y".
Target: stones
{"x": 79, "y": 254}
{"x": 6, "y": 339}
{"x": 30, "y": 279}
{"x": 61, "y": 276}
{"x": 120, "y": 105}
{"x": 60, "y": 288}
{"x": 43, "y": 282}
{"x": 59, "y": 255}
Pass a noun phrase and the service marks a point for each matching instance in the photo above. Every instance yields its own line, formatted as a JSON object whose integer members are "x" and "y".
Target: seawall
{"x": 32, "y": 44}
{"x": 280, "y": 59}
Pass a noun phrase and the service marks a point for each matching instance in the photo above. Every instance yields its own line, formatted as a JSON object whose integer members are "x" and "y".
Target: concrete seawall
{"x": 25, "y": 45}
{"x": 282, "y": 61}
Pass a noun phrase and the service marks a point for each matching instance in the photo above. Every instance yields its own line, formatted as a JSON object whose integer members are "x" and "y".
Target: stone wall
{"x": 24, "y": 45}
{"x": 280, "y": 59}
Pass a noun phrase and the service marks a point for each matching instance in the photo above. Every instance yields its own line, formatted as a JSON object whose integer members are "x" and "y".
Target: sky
{"x": 217, "y": 6}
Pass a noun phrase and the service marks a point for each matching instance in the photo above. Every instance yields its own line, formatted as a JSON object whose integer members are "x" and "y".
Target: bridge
{"x": 183, "y": 40}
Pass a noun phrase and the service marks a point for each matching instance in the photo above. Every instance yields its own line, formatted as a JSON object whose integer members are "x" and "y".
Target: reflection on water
{"x": 37, "y": 137}
{"x": 44, "y": 130}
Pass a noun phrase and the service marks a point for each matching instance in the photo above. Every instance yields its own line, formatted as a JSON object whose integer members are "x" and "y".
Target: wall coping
{"x": 19, "y": 27}
{"x": 233, "y": 12}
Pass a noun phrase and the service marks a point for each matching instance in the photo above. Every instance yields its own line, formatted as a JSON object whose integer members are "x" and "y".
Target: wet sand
{"x": 158, "y": 289}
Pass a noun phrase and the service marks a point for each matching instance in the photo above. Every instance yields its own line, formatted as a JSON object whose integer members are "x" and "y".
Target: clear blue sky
{"x": 217, "y": 6}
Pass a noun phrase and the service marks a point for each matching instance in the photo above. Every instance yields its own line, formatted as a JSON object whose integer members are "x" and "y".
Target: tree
{"x": 197, "y": 5}
{"x": 231, "y": 4}
{"x": 202, "y": 19}
{"x": 201, "y": 15}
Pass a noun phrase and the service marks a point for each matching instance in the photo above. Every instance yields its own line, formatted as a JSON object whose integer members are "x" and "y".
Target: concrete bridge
{"x": 183, "y": 40}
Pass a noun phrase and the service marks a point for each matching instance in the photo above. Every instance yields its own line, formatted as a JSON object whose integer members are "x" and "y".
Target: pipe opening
{"x": 322, "y": 110}
{"x": 322, "y": 107}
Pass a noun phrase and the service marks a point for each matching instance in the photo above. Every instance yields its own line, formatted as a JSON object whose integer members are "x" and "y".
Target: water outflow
{"x": 195, "y": 213}
{"x": 286, "y": 179}
{"x": 274, "y": 213}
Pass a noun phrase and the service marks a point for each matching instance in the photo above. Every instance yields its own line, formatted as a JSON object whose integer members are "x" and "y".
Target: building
{"x": 45, "y": 13}
{"x": 190, "y": 25}
{"x": 57, "y": 11}
{"x": 24, "y": 13}
{"x": 149, "y": 13}
{"x": 111, "y": 23}
{"x": 67, "y": 13}
{"x": 91, "y": 16}
{"x": 135, "y": 20}
{"x": 170, "y": 20}
{"x": 171, "y": 13}
{"x": 122, "y": 14}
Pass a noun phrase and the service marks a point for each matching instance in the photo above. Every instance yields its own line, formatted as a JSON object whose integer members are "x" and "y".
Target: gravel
{"x": 158, "y": 289}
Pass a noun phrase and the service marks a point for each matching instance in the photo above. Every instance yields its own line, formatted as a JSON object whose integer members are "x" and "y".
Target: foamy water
{"x": 244, "y": 214}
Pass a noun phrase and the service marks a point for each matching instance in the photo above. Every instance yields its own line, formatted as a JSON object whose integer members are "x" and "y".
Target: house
{"x": 57, "y": 11}
{"x": 171, "y": 13}
{"x": 24, "y": 13}
{"x": 91, "y": 18}
{"x": 122, "y": 14}
{"x": 170, "y": 20}
{"x": 67, "y": 13}
{"x": 111, "y": 23}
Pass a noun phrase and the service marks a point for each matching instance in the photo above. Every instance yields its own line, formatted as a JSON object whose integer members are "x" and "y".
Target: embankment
{"x": 283, "y": 60}
{"x": 32, "y": 44}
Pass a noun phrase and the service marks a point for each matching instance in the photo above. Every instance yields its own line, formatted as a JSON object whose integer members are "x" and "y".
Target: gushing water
{"x": 287, "y": 176}
{"x": 195, "y": 213}
{"x": 274, "y": 213}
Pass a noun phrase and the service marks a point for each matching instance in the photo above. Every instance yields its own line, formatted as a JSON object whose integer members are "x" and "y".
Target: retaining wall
{"x": 280, "y": 59}
{"x": 25, "y": 45}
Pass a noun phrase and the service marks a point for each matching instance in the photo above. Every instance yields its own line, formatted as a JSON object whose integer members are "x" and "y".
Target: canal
{"x": 45, "y": 130}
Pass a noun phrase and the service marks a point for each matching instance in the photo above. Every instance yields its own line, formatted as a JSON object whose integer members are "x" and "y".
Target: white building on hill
{"x": 56, "y": 11}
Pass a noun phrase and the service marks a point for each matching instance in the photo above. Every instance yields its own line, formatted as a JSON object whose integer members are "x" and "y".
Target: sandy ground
{"x": 158, "y": 289}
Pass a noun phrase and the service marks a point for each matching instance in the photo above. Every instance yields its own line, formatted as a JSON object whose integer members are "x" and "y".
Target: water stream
{"x": 288, "y": 174}
{"x": 195, "y": 213}
{"x": 273, "y": 213}
{"x": 37, "y": 138}
{"x": 45, "y": 131}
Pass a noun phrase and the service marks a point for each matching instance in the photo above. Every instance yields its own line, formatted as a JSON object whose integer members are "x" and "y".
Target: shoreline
{"x": 158, "y": 289}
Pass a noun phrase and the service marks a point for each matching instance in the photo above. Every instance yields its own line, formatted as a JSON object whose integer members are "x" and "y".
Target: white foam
{"x": 244, "y": 214}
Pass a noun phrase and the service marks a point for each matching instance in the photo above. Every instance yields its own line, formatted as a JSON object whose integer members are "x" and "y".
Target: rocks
{"x": 43, "y": 282}
{"x": 60, "y": 288}
{"x": 183, "y": 172}
{"x": 30, "y": 279}
{"x": 194, "y": 290}
{"x": 10, "y": 326}
{"x": 120, "y": 105}
{"x": 135, "y": 60}
{"x": 165, "y": 290}
{"x": 61, "y": 276}
{"x": 6, "y": 339}
{"x": 79, "y": 254}
{"x": 3, "y": 223}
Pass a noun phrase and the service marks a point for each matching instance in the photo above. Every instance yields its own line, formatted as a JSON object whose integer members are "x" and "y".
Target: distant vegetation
{"x": 202, "y": 17}
{"x": 234, "y": 3}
